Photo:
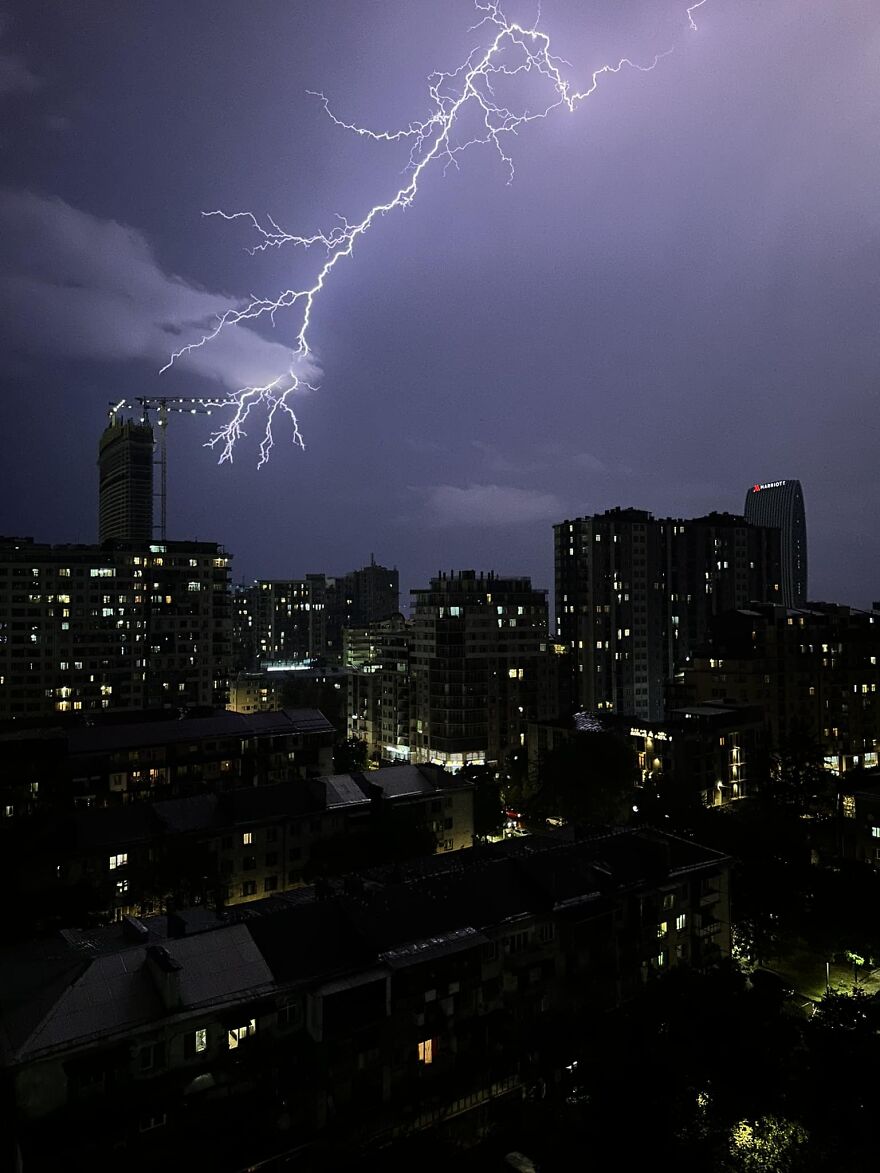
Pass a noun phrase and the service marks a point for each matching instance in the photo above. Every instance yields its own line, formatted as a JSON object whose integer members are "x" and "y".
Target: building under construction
{"x": 125, "y": 481}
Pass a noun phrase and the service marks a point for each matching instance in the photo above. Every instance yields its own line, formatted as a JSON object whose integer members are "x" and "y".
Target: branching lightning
{"x": 512, "y": 50}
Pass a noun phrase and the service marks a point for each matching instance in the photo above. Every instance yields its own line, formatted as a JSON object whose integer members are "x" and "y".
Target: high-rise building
{"x": 359, "y": 598}
{"x": 634, "y": 594}
{"x": 377, "y": 658}
{"x": 475, "y": 667}
{"x": 125, "y": 481}
{"x": 303, "y": 619}
{"x": 290, "y": 619}
{"x": 121, "y": 626}
{"x": 813, "y": 671}
{"x": 781, "y": 504}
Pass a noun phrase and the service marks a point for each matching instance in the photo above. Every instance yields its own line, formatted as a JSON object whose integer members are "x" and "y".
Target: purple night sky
{"x": 676, "y": 296}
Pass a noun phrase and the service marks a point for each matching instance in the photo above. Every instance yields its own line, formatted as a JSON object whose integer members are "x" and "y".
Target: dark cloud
{"x": 676, "y": 296}
{"x": 75, "y": 286}
{"x": 16, "y": 76}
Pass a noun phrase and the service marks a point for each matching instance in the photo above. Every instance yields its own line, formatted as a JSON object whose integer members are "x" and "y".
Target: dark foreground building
{"x": 420, "y": 996}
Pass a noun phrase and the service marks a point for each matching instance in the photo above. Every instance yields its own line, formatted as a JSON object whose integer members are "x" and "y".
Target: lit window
{"x": 849, "y": 806}
{"x": 662, "y": 928}
{"x": 875, "y": 832}
{"x": 681, "y": 922}
{"x": 118, "y": 861}
{"x": 121, "y": 886}
{"x": 247, "y": 838}
{"x": 426, "y": 1051}
{"x": 239, "y": 1033}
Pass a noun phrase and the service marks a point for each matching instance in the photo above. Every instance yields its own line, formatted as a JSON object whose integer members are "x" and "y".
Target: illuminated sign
{"x": 769, "y": 485}
{"x": 658, "y": 735}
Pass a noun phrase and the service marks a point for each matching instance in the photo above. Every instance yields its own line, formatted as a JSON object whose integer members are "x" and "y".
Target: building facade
{"x": 396, "y": 1001}
{"x": 359, "y": 599}
{"x": 781, "y": 504}
{"x": 125, "y": 481}
{"x": 813, "y": 672}
{"x": 99, "y": 765}
{"x": 122, "y": 626}
{"x": 634, "y": 595}
{"x": 475, "y": 667}
{"x": 230, "y": 846}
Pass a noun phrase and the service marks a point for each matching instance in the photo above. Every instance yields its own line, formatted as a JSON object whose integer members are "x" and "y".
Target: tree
{"x": 798, "y": 779}
{"x": 349, "y": 756}
{"x": 488, "y": 813}
{"x": 589, "y": 778}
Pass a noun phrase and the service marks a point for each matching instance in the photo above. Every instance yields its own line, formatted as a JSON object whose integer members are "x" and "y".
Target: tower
{"x": 125, "y": 481}
{"x": 781, "y": 504}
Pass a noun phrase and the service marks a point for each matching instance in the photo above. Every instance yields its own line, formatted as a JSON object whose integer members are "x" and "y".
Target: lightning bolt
{"x": 513, "y": 51}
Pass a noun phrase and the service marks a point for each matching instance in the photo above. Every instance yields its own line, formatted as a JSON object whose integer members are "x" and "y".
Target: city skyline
{"x": 705, "y": 326}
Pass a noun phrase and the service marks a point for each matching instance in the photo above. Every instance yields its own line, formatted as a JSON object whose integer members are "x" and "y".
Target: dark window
{"x": 249, "y": 888}
{"x": 249, "y": 863}
{"x": 152, "y": 1056}
{"x": 270, "y": 883}
{"x": 271, "y": 858}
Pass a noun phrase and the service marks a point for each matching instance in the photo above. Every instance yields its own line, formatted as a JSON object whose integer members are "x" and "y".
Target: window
{"x": 195, "y": 1042}
{"x": 118, "y": 861}
{"x": 516, "y": 943}
{"x": 152, "y": 1056}
{"x": 849, "y": 806}
{"x": 249, "y": 863}
{"x": 668, "y": 901}
{"x": 238, "y": 1034}
{"x": 875, "y": 832}
{"x": 289, "y": 1015}
{"x": 663, "y": 928}
{"x": 271, "y": 858}
{"x": 270, "y": 883}
{"x": 247, "y": 838}
{"x": 426, "y": 1051}
{"x": 681, "y": 922}
{"x": 249, "y": 888}
{"x": 121, "y": 886}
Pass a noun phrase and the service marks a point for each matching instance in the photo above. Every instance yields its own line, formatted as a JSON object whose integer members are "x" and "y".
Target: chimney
{"x": 165, "y": 972}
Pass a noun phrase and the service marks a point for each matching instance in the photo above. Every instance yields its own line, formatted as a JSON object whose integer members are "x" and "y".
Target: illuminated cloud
{"x": 490, "y": 505}
{"x": 78, "y": 287}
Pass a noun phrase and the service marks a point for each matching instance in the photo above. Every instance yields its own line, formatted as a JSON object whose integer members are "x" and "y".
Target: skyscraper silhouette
{"x": 125, "y": 481}
{"x": 781, "y": 504}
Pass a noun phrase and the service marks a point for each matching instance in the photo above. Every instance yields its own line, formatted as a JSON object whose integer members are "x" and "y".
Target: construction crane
{"x": 164, "y": 405}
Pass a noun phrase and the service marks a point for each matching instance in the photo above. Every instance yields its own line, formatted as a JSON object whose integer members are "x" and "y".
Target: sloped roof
{"x": 108, "y": 993}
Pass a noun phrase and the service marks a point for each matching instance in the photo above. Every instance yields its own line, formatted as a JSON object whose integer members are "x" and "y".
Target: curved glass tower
{"x": 781, "y": 503}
